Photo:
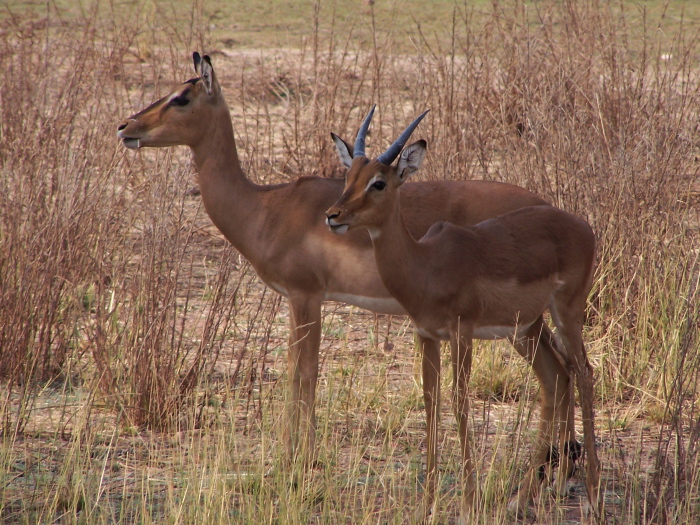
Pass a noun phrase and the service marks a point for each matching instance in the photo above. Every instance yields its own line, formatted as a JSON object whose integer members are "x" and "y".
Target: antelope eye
{"x": 379, "y": 185}
{"x": 179, "y": 101}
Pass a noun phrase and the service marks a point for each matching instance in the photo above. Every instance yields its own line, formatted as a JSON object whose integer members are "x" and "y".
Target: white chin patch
{"x": 340, "y": 229}
{"x": 132, "y": 143}
{"x": 374, "y": 233}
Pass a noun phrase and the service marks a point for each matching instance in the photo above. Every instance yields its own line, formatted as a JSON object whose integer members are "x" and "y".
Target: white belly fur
{"x": 278, "y": 288}
{"x": 380, "y": 305}
{"x": 482, "y": 332}
{"x": 390, "y": 306}
{"x": 495, "y": 332}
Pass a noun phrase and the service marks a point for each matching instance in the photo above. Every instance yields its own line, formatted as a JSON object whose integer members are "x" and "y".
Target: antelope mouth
{"x": 131, "y": 143}
{"x": 337, "y": 228}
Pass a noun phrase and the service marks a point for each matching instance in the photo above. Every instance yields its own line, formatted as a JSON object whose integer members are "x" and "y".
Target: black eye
{"x": 179, "y": 101}
{"x": 379, "y": 185}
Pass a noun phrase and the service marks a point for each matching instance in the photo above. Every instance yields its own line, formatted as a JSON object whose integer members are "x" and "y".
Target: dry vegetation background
{"x": 142, "y": 364}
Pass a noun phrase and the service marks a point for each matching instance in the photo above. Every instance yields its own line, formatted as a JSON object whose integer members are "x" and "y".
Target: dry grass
{"x": 142, "y": 363}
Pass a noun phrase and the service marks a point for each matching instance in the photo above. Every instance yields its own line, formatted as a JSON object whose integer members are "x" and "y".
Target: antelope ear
{"x": 411, "y": 159}
{"x": 203, "y": 67}
{"x": 344, "y": 150}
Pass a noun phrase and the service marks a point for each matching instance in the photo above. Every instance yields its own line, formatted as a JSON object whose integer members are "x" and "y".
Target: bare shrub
{"x": 97, "y": 257}
{"x": 59, "y": 218}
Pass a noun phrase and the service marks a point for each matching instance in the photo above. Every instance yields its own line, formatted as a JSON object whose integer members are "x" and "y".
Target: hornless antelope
{"x": 491, "y": 280}
{"x": 280, "y": 229}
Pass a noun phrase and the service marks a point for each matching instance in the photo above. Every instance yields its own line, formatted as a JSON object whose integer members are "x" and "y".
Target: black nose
{"x": 332, "y": 215}
{"x": 121, "y": 126}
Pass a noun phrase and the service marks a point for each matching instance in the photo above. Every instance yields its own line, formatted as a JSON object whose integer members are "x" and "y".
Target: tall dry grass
{"x": 142, "y": 362}
{"x": 98, "y": 263}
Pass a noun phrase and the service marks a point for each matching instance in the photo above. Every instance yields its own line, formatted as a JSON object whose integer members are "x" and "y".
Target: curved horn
{"x": 359, "y": 149}
{"x": 390, "y": 154}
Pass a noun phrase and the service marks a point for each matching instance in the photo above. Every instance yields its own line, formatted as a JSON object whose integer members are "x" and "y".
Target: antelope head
{"x": 371, "y": 186}
{"x": 178, "y": 118}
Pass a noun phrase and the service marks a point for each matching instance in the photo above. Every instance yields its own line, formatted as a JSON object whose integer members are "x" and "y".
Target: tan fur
{"x": 280, "y": 229}
{"x": 456, "y": 281}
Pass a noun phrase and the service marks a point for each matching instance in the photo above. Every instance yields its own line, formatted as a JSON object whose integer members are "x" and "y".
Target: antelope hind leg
{"x": 536, "y": 345}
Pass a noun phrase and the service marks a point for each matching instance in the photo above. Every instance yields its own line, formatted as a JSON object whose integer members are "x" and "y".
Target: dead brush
{"x": 96, "y": 257}
{"x": 59, "y": 216}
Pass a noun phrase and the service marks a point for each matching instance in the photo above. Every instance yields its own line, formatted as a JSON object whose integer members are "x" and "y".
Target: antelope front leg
{"x": 430, "y": 354}
{"x": 461, "y": 346}
{"x": 302, "y": 365}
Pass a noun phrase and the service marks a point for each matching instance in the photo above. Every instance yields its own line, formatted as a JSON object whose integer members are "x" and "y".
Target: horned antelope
{"x": 280, "y": 229}
{"x": 491, "y": 280}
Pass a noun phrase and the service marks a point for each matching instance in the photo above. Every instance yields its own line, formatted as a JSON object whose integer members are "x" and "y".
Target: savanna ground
{"x": 142, "y": 364}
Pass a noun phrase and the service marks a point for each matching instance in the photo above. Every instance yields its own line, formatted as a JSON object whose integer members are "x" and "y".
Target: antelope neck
{"x": 230, "y": 198}
{"x": 397, "y": 253}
